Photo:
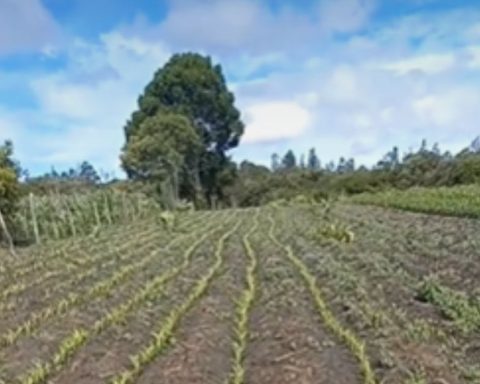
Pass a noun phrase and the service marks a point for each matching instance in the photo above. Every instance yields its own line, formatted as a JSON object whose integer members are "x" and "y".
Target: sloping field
{"x": 249, "y": 296}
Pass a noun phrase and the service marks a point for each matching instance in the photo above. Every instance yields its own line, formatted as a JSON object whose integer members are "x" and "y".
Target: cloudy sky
{"x": 349, "y": 77}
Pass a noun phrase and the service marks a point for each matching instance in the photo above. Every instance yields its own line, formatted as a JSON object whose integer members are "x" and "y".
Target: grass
{"x": 461, "y": 201}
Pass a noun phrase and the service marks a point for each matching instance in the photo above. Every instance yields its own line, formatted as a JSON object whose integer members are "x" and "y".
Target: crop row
{"x": 453, "y": 304}
{"x": 44, "y": 253}
{"x": 40, "y": 263}
{"x": 356, "y": 346}
{"x": 116, "y": 315}
{"x": 349, "y": 274}
{"x": 163, "y": 334}
{"x": 42, "y": 257}
{"x": 88, "y": 266}
{"x": 100, "y": 289}
{"x": 243, "y": 307}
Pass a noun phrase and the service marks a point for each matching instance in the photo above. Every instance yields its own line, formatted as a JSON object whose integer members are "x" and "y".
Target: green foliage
{"x": 191, "y": 86}
{"x": 10, "y": 191}
{"x": 158, "y": 148}
{"x": 456, "y": 306}
{"x": 456, "y": 201}
{"x": 168, "y": 220}
{"x": 336, "y": 231}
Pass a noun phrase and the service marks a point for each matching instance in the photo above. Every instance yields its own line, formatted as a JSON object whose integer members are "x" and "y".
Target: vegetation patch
{"x": 456, "y": 306}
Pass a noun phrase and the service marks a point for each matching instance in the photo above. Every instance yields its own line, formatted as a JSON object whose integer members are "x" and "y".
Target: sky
{"x": 350, "y": 78}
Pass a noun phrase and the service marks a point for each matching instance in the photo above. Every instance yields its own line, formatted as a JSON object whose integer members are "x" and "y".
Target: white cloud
{"x": 345, "y": 15}
{"x": 428, "y": 64}
{"x": 275, "y": 120}
{"x": 250, "y": 26}
{"x": 25, "y": 25}
{"x": 474, "y": 57}
{"x": 342, "y": 84}
{"x": 454, "y": 109}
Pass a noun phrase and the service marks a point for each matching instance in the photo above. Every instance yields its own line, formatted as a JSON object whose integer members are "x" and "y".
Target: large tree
{"x": 190, "y": 85}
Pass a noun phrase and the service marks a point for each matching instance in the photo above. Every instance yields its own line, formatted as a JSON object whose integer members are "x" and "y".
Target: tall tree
{"x": 289, "y": 161}
{"x": 190, "y": 85}
{"x": 313, "y": 162}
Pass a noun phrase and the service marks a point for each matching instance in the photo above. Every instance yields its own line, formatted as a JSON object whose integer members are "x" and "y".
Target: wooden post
{"x": 34, "y": 219}
{"x": 8, "y": 237}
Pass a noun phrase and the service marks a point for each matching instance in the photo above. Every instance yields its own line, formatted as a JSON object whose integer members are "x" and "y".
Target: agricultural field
{"x": 286, "y": 293}
{"x": 460, "y": 200}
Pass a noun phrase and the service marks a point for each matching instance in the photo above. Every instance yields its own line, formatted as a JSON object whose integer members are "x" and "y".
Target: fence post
{"x": 8, "y": 237}
{"x": 34, "y": 219}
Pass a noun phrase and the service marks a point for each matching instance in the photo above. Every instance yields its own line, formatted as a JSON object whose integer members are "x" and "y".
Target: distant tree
{"x": 313, "y": 163}
{"x": 390, "y": 161}
{"x": 423, "y": 146}
{"x": 88, "y": 173}
{"x": 350, "y": 165}
{"x": 275, "y": 162}
{"x": 53, "y": 173}
{"x": 330, "y": 167}
{"x": 302, "y": 161}
{"x": 289, "y": 161}
{"x": 342, "y": 165}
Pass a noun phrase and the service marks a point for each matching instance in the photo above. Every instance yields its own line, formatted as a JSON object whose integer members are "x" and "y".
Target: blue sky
{"x": 348, "y": 77}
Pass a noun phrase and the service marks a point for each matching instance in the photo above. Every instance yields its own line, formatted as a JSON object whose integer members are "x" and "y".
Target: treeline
{"x": 289, "y": 176}
{"x": 74, "y": 179}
